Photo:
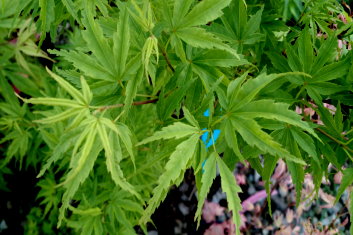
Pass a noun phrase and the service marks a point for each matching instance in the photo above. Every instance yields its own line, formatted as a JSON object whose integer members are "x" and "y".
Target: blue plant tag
{"x": 209, "y": 141}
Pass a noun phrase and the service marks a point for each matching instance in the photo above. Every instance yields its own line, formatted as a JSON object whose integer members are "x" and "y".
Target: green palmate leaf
{"x": 198, "y": 37}
{"x": 190, "y": 118}
{"x": 71, "y": 8}
{"x": 339, "y": 117}
{"x": 351, "y": 211}
{"x": 252, "y": 26}
{"x": 176, "y": 166}
{"x": 116, "y": 213}
{"x": 47, "y": 16}
{"x": 297, "y": 174}
{"x": 144, "y": 17}
{"x": 8, "y": 93}
{"x": 256, "y": 164}
{"x": 207, "y": 75}
{"x": 278, "y": 61}
{"x": 254, "y": 136}
{"x": 234, "y": 87}
{"x": 232, "y": 140}
{"x": 95, "y": 222}
{"x": 222, "y": 97}
{"x": 203, "y": 12}
{"x": 305, "y": 50}
{"x": 86, "y": 91}
{"x": 179, "y": 48}
{"x": 172, "y": 102}
{"x": 317, "y": 173}
{"x": 79, "y": 119}
{"x": 180, "y": 9}
{"x": 31, "y": 49}
{"x": 89, "y": 221}
{"x": 54, "y": 102}
{"x": 150, "y": 47}
{"x": 64, "y": 144}
{"x": 97, "y": 43}
{"x": 68, "y": 87}
{"x": 269, "y": 166}
{"x": 296, "y": 170}
{"x": 27, "y": 86}
{"x": 249, "y": 90}
{"x": 304, "y": 141}
{"x": 85, "y": 63}
{"x": 125, "y": 136}
{"x": 196, "y": 55}
{"x": 102, "y": 132}
{"x": 112, "y": 160}
{"x": 240, "y": 19}
{"x": 314, "y": 94}
{"x": 324, "y": 54}
{"x": 80, "y": 169}
{"x": 347, "y": 180}
{"x": 61, "y": 116}
{"x": 331, "y": 71}
{"x": 118, "y": 177}
{"x": 209, "y": 174}
{"x": 230, "y": 187}
{"x": 123, "y": 132}
{"x": 131, "y": 91}
{"x": 11, "y": 23}
{"x": 18, "y": 146}
{"x": 329, "y": 122}
{"x": 122, "y": 40}
{"x": 176, "y": 130}
{"x": 218, "y": 58}
{"x": 132, "y": 67}
{"x": 293, "y": 59}
{"x": 270, "y": 110}
{"x": 91, "y": 211}
{"x": 329, "y": 154}
{"x": 130, "y": 205}
{"x": 80, "y": 140}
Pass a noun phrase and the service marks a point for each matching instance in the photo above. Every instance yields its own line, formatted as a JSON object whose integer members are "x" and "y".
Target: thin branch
{"x": 100, "y": 109}
{"x": 164, "y": 53}
{"x": 335, "y": 140}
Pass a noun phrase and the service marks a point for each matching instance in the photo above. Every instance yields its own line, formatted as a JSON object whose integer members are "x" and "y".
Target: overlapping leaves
{"x": 243, "y": 109}
{"x": 86, "y": 148}
{"x": 192, "y": 54}
{"x": 184, "y": 24}
{"x": 323, "y": 70}
{"x": 181, "y": 159}
{"x": 178, "y": 162}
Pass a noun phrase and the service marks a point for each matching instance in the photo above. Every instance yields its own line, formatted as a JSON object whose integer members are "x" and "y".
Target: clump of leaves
{"x": 120, "y": 119}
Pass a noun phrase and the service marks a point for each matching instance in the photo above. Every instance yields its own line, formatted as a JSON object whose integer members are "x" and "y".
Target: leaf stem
{"x": 103, "y": 108}
{"x": 335, "y": 140}
{"x": 164, "y": 53}
{"x": 300, "y": 91}
{"x": 220, "y": 119}
{"x": 294, "y": 73}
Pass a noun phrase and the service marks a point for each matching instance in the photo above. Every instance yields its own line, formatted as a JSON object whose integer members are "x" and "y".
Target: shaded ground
{"x": 176, "y": 214}
{"x": 321, "y": 216}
